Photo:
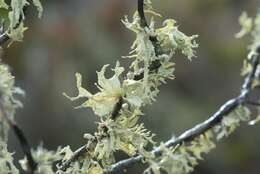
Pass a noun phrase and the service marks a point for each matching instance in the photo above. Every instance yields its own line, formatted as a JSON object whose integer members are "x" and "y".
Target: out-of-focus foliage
{"x": 8, "y": 90}
{"x": 8, "y": 106}
{"x": 250, "y": 25}
{"x": 254, "y": 29}
{"x": 44, "y": 158}
{"x": 16, "y": 17}
{"x": 246, "y": 24}
{"x": 8, "y": 101}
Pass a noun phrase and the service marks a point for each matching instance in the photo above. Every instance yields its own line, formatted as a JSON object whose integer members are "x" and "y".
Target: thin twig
{"x": 80, "y": 152}
{"x": 201, "y": 128}
{"x": 253, "y": 103}
{"x": 140, "y": 8}
{"x": 76, "y": 155}
{"x": 26, "y": 148}
{"x": 155, "y": 65}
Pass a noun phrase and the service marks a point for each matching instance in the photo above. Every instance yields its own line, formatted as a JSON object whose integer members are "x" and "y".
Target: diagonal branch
{"x": 201, "y": 128}
{"x": 80, "y": 152}
{"x": 76, "y": 155}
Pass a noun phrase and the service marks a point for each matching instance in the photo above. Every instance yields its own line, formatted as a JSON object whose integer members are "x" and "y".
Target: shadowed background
{"x": 83, "y": 35}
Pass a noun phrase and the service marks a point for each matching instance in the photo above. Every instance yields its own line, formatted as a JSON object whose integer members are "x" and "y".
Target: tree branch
{"x": 155, "y": 65}
{"x": 140, "y": 8}
{"x": 26, "y": 148}
{"x": 201, "y": 128}
{"x": 83, "y": 150}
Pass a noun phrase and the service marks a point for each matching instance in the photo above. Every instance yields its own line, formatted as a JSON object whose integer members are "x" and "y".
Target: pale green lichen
{"x": 144, "y": 54}
{"x": 8, "y": 101}
{"x": 252, "y": 26}
{"x": 253, "y": 122}
{"x": 6, "y": 160}
{"x": 16, "y": 17}
{"x": 102, "y": 102}
{"x": 231, "y": 122}
{"x": 184, "y": 157}
{"x": 124, "y": 132}
{"x": 257, "y": 119}
{"x": 38, "y": 5}
{"x": 246, "y": 25}
{"x": 255, "y": 44}
{"x": 47, "y": 159}
{"x": 3, "y": 4}
{"x": 256, "y": 32}
{"x": 172, "y": 39}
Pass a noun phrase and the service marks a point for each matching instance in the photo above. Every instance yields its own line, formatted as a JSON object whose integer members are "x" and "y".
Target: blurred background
{"x": 83, "y": 35}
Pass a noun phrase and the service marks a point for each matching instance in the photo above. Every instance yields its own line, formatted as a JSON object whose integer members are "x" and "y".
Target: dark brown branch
{"x": 140, "y": 8}
{"x": 201, "y": 128}
{"x": 143, "y": 23}
{"x": 117, "y": 108}
{"x": 26, "y": 148}
{"x": 157, "y": 49}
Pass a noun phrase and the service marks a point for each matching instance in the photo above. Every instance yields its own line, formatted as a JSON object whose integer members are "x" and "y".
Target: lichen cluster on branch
{"x": 181, "y": 154}
{"x": 120, "y": 101}
{"x": 124, "y": 132}
{"x": 184, "y": 156}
